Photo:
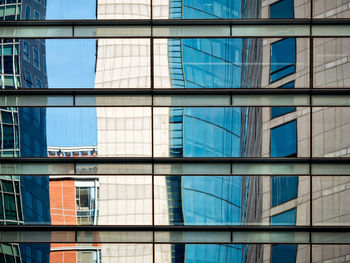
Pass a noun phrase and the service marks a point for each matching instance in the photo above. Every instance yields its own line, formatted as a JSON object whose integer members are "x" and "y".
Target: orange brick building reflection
{"x": 74, "y": 201}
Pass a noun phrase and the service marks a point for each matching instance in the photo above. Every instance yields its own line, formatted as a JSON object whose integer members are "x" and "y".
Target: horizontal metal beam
{"x": 202, "y": 228}
{"x": 175, "y": 22}
{"x": 170, "y": 160}
{"x": 141, "y": 91}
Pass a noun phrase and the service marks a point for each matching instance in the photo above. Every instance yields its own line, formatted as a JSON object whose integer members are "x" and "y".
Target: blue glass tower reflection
{"x": 214, "y": 132}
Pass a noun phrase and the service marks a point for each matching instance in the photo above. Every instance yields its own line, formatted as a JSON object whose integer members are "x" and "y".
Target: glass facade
{"x": 174, "y": 131}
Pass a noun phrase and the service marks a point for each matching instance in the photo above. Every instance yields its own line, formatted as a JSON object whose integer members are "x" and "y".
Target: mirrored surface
{"x": 231, "y": 63}
{"x": 322, "y": 253}
{"x": 162, "y": 9}
{"x": 178, "y": 63}
{"x": 331, "y": 62}
{"x": 75, "y": 252}
{"x": 76, "y": 132}
{"x": 75, "y": 63}
{"x": 222, "y": 253}
{"x": 231, "y": 132}
{"x": 177, "y": 132}
{"x": 330, "y": 200}
{"x": 221, "y": 9}
{"x": 76, "y": 200}
{"x": 231, "y": 200}
{"x": 331, "y": 9}
{"x": 330, "y": 132}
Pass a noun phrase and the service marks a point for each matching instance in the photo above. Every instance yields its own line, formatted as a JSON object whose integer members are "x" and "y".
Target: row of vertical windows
{"x": 28, "y": 15}
{"x": 284, "y": 137}
{"x": 26, "y": 54}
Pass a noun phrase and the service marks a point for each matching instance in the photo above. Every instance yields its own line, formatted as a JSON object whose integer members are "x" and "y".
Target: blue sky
{"x": 71, "y": 9}
{"x": 71, "y": 64}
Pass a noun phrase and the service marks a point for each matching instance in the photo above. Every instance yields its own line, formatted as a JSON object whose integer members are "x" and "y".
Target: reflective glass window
{"x": 284, "y": 218}
{"x": 279, "y": 111}
{"x": 284, "y": 140}
{"x": 284, "y": 188}
{"x": 284, "y": 253}
{"x": 28, "y": 79}
{"x": 283, "y": 58}
{"x": 36, "y": 58}
{"x": 36, "y": 15}
{"x": 282, "y": 9}
{"x": 38, "y": 83}
{"x": 27, "y": 12}
{"x": 26, "y": 50}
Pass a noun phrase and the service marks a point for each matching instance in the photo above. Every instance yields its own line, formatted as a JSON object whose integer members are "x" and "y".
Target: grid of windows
{"x": 170, "y": 131}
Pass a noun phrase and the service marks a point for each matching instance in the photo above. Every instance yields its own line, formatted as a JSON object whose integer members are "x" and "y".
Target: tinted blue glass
{"x": 279, "y": 111}
{"x": 284, "y": 140}
{"x": 211, "y": 9}
{"x": 212, "y": 132}
{"x": 285, "y": 218}
{"x": 283, "y": 58}
{"x": 282, "y": 9}
{"x": 213, "y": 253}
{"x": 284, "y": 253}
{"x": 282, "y": 73}
{"x": 209, "y": 63}
{"x": 284, "y": 188}
{"x": 211, "y": 200}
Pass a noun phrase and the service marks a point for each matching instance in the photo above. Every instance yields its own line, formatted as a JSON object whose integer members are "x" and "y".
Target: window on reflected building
{"x": 284, "y": 140}
{"x": 282, "y": 9}
{"x": 280, "y": 111}
{"x": 282, "y": 62}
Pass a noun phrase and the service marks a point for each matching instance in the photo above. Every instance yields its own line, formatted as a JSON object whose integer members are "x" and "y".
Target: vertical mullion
{"x": 311, "y": 81}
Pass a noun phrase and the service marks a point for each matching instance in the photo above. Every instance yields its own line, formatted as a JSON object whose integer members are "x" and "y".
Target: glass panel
{"x": 195, "y": 168}
{"x": 270, "y": 237}
{"x": 284, "y": 140}
{"x": 37, "y": 31}
{"x": 330, "y": 100}
{"x": 110, "y": 100}
{"x": 221, "y": 9}
{"x": 188, "y": 236}
{"x": 331, "y": 62}
{"x": 330, "y": 200}
{"x": 270, "y": 30}
{"x": 331, "y": 237}
{"x": 226, "y": 63}
{"x": 115, "y": 31}
{"x": 37, "y": 236}
{"x": 192, "y": 100}
{"x": 221, "y": 253}
{"x": 271, "y": 168}
{"x": 282, "y": 9}
{"x": 114, "y": 236}
{"x": 79, "y": 132}
{"x": 270, "y": 100}
{"x": 324, "y": 253}
{"x": 327, "y": 169}
{"x": 330, "y": 130}
{"x": 198, "y": 31}
{"x": 39, "y": 100}
{"x": 79, "y": 9}
{"x": 85, "y": 63}
{"x": 230, "y": 200}
{"x": 79, "y": 200}
{"x": 229, "y": 132}
{"x": 282, "y": 65}
{"x": 326, "y": 9}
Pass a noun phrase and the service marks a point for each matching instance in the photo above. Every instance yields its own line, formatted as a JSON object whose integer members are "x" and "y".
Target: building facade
{"x": 165, "y": 128}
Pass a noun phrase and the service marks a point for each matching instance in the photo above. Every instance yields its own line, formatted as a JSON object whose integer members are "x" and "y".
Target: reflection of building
{"x": 83, "y": 151}
{"x": 74, "y": 200}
